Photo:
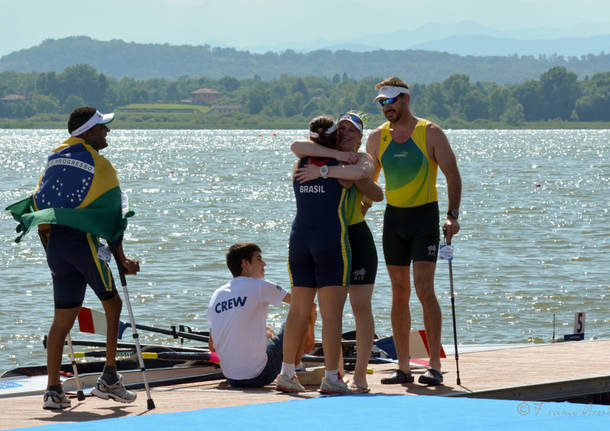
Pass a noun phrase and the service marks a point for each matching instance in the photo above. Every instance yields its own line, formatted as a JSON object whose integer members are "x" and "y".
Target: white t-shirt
{"x": 237, "y": 318}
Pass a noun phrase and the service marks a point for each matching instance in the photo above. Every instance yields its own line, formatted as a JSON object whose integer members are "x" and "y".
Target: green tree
{"x": 256, "y": 99}
{"x": 594, "y": 108}
{"x": 44, "y": 104}
{"x": 455, "y": 88}
{"x": 83, "y": 81}
{"x": 16, "y": 109}
{"x": 293, "y": 104}
{"x": 475, "y": 105}
{"x": 529, "y": 95}
{"x": 560, "y": 92}
{"x": 273, "y": 108}
{"x": 299, "y": 86}
{"x": 71, "y": 103}
{"x": 229, "y": 83}
{"x": 498, "y": 102}
{"x": 514, "y": 113}
{"x": 313, "y": 107}
{"x": 47, "y": 84}
{"x": 138, "y": 95}
{"x": 436, "y": 103}
{"x": 595, "y": 103}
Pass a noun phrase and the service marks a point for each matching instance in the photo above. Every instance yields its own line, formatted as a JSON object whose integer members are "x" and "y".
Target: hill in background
{"x": 490, "y": 45}
{"x": 119, "y": 59}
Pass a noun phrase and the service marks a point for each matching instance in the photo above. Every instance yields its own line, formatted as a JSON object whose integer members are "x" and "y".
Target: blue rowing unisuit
{"x": 319, "y": 253}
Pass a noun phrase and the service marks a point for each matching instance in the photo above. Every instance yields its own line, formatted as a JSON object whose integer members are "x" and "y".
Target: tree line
{"x": 119, "y": 59}
{"x": 557, "y": 94}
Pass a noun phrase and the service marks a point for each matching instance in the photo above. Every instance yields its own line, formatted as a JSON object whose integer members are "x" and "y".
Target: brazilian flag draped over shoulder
{"x": 80, "y": 189}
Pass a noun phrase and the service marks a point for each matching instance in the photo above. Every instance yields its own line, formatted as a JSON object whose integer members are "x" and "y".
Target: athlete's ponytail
{"x": 323, "y": 131}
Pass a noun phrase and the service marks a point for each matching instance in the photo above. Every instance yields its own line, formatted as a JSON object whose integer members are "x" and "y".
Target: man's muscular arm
{"x": 372, "y": 147}
{"x": 447, "y": 162}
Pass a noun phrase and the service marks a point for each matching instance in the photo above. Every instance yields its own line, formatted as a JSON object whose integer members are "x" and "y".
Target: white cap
{"x": 352, "y": 118}
{"x": 97, "y": 118}
{"x": 390, "y": 91}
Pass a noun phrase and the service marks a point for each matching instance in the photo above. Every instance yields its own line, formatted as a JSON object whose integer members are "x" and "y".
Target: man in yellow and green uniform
{"x": 77, "y": 202}
{"x": 410, "y": 149}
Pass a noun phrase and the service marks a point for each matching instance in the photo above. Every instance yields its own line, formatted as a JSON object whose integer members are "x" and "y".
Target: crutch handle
{"x": 447, "y": 241}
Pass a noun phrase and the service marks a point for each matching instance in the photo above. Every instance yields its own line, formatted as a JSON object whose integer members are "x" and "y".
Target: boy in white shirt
{"x": 250, "y": 353}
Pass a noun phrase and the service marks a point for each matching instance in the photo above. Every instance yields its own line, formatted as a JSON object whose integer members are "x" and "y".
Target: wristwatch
{"x": 454, "y": 214}
{"x": 324, "y": 171}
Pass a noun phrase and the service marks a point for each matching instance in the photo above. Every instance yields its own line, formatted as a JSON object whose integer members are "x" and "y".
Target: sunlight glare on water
{"x": 533, "y": 241}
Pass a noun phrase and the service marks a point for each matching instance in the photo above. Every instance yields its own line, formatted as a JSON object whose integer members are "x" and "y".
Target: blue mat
{"x": 357, "y": 412}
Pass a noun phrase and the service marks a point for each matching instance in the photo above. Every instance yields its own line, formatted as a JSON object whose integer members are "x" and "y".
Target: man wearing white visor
{"x": 96, "y": 118}
{"x": 77, "y": 203}
{"x": 410, "y": 150}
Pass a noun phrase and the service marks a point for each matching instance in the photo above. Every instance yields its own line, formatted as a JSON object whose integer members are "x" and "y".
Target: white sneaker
{"x": 53, "y": 400}
{"x": 117, "y": 391}
{"x": 334, "y": 388}
{"x": 287, "y": 384}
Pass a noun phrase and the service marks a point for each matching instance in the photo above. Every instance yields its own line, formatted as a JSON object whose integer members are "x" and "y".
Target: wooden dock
{"x": 578, "y": 371}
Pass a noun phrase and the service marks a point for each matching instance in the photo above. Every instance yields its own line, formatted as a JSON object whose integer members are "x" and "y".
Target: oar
{"x": 183, "y": 356}
{"x": 90, "y": 343}
{"x": 133, "y": 346}
{"x": 94, "y": 322}
{"x": 102, "y": 353}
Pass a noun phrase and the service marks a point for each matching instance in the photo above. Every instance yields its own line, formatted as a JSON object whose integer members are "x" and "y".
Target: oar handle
{"x": 172, "y": 332}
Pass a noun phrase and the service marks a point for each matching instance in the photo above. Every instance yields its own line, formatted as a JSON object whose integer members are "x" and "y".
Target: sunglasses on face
{"x": 388, "y": 102}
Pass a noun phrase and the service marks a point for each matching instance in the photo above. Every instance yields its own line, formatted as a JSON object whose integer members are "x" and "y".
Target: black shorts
{"x": 411, "y": 234}
{"x": 72, "y": 258}
{"x": 364, "y": 254}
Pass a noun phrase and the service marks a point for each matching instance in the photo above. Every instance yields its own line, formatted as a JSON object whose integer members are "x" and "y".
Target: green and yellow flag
{"x": 80, "y": 189}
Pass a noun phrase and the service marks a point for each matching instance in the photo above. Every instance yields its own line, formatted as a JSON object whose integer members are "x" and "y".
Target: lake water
{"x": 534, "y": 240}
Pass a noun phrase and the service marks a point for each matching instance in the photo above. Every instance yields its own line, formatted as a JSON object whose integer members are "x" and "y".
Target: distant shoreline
{"x": 253, "y": 122}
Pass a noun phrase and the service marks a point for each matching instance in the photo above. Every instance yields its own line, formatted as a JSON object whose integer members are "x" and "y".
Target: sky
{"x": 246, "y": 24}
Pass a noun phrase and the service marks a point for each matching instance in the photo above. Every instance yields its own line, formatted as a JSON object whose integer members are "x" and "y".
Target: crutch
{"x": 450, "y": 259}
{"x": 134, "y": 331}
{"x": 79, "y": 389}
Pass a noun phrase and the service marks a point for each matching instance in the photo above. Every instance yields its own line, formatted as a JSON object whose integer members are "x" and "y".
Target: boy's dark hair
{"x": 80, "y": 116}
{"x": 320, "y": 125}
{"x": 237, "y": 252}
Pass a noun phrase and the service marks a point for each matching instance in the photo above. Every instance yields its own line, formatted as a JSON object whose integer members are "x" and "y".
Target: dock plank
{"x": 520, "y": 369}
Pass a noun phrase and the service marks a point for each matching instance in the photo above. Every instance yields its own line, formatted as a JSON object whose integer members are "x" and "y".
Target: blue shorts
{"x": 271, "y": 370}
{"x": 317, "y": 258}
{"x": 72, "y": 258}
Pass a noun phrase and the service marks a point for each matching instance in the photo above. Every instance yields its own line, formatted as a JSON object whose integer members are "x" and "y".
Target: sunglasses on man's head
{"x": 388, "y": 102}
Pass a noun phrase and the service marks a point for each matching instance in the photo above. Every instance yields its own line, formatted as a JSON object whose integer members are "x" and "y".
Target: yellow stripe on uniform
{"x": 102, "y": 267}
{"x": 345, "y": 246}
{"x": 289, "y": 271}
